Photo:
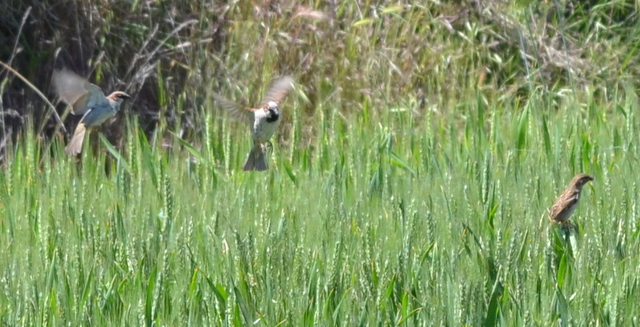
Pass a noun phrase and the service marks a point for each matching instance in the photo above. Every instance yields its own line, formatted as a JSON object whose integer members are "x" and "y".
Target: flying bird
{"x": 263, "y": 120}
{"x": 88, "y": 100}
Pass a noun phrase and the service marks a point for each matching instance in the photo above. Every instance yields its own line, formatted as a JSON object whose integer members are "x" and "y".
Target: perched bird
{"x": 263, "y": 120}
{"x": 88, "y": 100}
{"x": 567, "y": 202}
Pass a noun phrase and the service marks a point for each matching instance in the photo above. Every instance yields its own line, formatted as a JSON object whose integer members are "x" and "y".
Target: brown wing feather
{"x": 564, "y": 203}
{"x": 77, "y": 91}
{"x": 278, "y": 90}
{"x": 236, "y": 111}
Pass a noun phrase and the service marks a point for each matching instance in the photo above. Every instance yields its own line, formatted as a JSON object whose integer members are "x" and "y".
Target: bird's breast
{"x": 264, "y": 126}
{"x": 99, "y": 114}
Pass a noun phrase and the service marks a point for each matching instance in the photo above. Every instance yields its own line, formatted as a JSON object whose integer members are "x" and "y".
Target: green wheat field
{"x": 409, "y": 182}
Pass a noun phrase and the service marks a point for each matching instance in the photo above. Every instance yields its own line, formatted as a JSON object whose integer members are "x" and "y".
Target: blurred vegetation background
{"x": 169, "y": 55}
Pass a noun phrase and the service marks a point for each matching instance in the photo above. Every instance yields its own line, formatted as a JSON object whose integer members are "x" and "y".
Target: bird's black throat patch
{"x": 272, "y": 115}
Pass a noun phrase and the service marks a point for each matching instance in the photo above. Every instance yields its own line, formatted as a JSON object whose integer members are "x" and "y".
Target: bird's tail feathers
{"x": 257, "y": 159}
{"x": 75, "y": 146}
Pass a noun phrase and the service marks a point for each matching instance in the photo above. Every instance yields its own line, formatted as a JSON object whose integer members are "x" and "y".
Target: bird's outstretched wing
{"x": 237, "y": 111}
{"x": 278, "y": 90}
{"x": 77, "y": 91}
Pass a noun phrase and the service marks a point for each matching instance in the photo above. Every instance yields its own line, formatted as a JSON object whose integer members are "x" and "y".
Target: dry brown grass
{"x": 168, "y": 55}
